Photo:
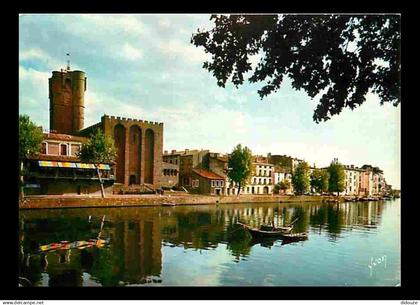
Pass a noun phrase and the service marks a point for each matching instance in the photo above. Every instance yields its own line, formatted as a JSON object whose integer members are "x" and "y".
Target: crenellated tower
{"x": 67, "y": 101}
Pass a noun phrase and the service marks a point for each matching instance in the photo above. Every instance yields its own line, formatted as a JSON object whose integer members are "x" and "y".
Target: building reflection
{"x": 136, "y": 236}
{"x": 133, "y": 255}
{"x": 138, "y": 245}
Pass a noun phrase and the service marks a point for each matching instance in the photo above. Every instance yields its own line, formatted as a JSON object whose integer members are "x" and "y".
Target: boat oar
{"x": 236, "y": 230}
{"x": 293, "y": 221}
{"x": 102, "y": 225}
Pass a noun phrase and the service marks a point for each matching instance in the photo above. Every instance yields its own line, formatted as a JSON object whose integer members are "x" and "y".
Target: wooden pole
{"x": 100, "y": 181}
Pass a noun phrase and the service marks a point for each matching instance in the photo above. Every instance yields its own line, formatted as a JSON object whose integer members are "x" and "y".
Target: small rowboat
{"x": 295, "y": 236}
{"x": 257, "y": 233}
{"x": 80, "y": 244}
{"x": 169, "y": 203}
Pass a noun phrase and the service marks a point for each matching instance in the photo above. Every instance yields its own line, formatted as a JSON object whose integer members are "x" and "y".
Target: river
{"x": 349, "y": 244}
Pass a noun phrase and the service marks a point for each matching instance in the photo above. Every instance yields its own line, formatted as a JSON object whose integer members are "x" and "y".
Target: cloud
{"x": 123, "y": 24}
{"x": 33, "y": 95}
{"x": 131, "y": 53}
{"x": 164, "y": 22}
{"x": 35, "y": 53}
{"x": 184, "y": 50}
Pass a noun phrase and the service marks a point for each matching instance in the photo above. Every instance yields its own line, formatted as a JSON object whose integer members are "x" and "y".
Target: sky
{"x": 144, "y": 67}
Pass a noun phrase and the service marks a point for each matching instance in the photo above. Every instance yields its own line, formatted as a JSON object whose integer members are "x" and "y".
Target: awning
{"x": 104, "y": 167}
{"x": 72, "y": 165}
{"x": 85, "y": 165}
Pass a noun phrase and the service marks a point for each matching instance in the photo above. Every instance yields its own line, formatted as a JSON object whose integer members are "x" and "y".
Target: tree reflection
{"x": 134, "y": 255}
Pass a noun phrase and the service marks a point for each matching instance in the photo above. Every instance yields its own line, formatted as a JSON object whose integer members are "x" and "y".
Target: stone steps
{"x": 134, "y": 189}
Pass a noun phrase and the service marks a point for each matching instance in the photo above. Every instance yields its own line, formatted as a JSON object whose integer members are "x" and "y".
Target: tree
{"x": 319, "y": 180}
{"x": 30, "y": 139}
{"x": 277, "y": 188}
{"x": 336, "y": 182}
{"x": 98, "y": 149}
{"x": 284, "y": 185}
{"x": 240, "y": 165}
{"x": 300, "y": 178}
{"x": 342, "y": 57}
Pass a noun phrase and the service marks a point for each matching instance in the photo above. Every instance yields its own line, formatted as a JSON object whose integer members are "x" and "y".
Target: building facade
{"x": 261, "y": 181}
{"x": 139, "y": 143}
{"x": 139, "y": 147}
{"x": 170, "y": 175}
{"x": 286, "y": 162}
{"x": 188, "y": 160}
{"x": 207, "y": 183}
{"x": 353, "y": 176}
{"x": 56, "y": 170}
{"x": 67, "y": 104}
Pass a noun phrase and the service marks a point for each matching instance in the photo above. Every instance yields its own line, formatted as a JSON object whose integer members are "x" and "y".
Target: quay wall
{"x": 51, "y": 202}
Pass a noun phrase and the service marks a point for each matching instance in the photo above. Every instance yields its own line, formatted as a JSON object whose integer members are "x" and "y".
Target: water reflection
{"x": 136, "y": 236}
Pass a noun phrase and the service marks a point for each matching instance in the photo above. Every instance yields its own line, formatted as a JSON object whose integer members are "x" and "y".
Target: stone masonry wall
{"x": 108, "y": 125}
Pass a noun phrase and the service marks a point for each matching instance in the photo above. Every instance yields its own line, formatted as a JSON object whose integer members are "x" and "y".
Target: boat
{"x": 295, "y": 236}
{"x": 272, "y": 229}
{"x": 274, "y": 232}
{"x": 79, "y": 244}
{"x": 169, "y": 203}
{"x": 286, "y": 229}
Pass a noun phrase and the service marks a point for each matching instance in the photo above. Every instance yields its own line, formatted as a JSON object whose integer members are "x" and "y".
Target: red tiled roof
{"x": 64, "y": 137}
{"x": 206, "y": 174}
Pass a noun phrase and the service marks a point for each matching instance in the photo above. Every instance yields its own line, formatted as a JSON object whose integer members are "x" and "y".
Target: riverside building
{"x": 139, "y": 144}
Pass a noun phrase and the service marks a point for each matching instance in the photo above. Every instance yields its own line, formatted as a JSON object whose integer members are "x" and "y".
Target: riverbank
{"x": 84, "y": 201}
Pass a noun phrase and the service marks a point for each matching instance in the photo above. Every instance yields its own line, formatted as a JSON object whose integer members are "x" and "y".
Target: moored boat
{"x": 169, "y": 203}
{"x": 258, "y": 233}
{"x": 295, "y": 236}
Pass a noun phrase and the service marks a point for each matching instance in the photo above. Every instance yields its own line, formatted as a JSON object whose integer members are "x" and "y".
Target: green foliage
{"x": 240, "y": 163}
{"x": 319, "y": 180}
{"x": 98, "y": 149}
{"x": 300, "y": 178}
{"x": 341, "y": 57}
{"x": 284, "y": 184}
{"x": 30, "y": 137}
{"x": 336, "y": 182}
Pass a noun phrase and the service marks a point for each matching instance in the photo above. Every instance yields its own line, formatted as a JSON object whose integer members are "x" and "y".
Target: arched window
{"x": 132, "y": 179}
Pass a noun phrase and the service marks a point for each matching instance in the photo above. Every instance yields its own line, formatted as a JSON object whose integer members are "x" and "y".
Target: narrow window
{"x": 63, "y": 149}
{"x": 44, "y": 148}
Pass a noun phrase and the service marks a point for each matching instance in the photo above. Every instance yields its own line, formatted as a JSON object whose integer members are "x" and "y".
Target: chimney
{"x": 165, "y": 152}
{"x": 173, "y": 151}
{"x": 186, "y": 150}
